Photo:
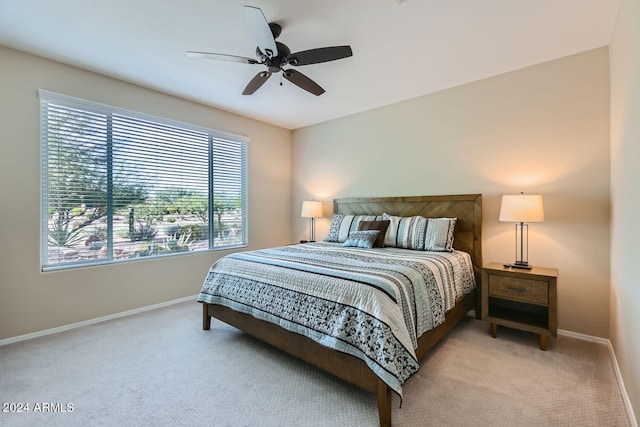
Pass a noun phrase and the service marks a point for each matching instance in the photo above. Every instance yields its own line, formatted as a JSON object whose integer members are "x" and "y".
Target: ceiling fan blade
{"x": 322, "y": 54}
{"x": 221, "y": 57}
{"x": 256, "y": 82}
{"x": 261, "y": 31}
{"x": 302, "y": 81}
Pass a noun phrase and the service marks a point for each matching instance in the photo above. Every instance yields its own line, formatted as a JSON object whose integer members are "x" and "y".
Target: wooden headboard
{"x": 466, "y": 207}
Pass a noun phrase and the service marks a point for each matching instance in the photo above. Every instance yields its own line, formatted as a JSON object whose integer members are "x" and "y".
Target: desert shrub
{"x": 197, "y": 231}
{"x": 144, "y": 231}
{"x": 62, "y": 233}
{"x": 173, "y": 230}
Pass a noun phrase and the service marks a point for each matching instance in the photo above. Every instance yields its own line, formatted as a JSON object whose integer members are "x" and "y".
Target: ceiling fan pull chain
{"x": 281, "y": 79}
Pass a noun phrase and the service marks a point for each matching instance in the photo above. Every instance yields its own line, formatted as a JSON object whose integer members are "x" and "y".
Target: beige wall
{"x": 31, "y": 300}
{"x": 543, "y": 129}
{"x": 625, "y": 177}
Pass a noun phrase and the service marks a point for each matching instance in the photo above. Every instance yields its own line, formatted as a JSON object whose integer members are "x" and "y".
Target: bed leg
{"x": 206, "y": 319}
{"x": 384, "y": 404}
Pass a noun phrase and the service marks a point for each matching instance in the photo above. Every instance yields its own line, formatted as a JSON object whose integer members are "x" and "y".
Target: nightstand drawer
{"x": 526, "y": 290}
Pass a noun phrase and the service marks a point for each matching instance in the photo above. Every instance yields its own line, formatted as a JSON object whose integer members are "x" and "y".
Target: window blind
{"x": 119, "y": 185}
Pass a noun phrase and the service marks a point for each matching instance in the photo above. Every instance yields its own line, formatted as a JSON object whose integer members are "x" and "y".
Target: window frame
{"x": 213, "y": 135}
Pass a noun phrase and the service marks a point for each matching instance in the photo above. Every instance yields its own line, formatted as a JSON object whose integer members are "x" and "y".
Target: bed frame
{"x": 467, "y": 208}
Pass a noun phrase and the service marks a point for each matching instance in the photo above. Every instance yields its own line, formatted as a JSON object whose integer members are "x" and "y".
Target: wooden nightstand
{"x": 521, "y": 299}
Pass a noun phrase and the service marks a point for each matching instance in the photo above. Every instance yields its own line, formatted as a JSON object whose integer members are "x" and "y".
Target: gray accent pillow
{"x": 362, "y": 239}
{"x": 380, "y": 225}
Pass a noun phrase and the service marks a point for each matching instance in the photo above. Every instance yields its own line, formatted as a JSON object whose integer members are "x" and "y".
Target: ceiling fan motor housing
{"x": 275, "y": 63}
{"x": 276, "y": 29}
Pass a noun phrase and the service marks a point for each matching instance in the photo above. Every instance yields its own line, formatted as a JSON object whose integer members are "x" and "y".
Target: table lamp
{"x": 312, "y": 209}
{"x": 522, "y": 209}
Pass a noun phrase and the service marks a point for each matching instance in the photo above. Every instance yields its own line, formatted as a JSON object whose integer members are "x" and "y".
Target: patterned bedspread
{"x": 370, "y": 303}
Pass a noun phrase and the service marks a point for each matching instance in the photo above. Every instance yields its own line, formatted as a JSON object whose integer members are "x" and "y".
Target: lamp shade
{"x": 311, "y": 209}
{"x": 522, "y": 208}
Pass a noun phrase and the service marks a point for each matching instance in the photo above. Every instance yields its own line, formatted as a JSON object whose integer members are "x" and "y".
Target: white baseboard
{"x": 94, "y": 321}
{"x": 583, "y": 337}
{"x": 616, "y": 368}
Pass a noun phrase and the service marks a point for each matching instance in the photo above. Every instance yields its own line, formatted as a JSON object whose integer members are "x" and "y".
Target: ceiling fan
{"x": 275, "y": 55}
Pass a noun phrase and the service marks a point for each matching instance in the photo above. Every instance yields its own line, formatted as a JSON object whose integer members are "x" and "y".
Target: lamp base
{"x": 521, "y": 265}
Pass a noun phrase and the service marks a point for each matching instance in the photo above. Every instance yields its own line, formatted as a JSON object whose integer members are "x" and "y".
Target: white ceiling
{"x": 401, "y": 48}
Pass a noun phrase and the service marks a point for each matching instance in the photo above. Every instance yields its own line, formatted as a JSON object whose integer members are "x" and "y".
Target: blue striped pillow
{"x": 420, "y": 233}
{"x": 440, "y": 233}
{"x": 407, "y": 232}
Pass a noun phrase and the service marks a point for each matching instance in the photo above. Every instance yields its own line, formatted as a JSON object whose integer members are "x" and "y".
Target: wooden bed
{"x": 467, "y": 208}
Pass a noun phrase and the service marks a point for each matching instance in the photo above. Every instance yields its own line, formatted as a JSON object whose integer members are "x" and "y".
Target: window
{"x": 118, "y": 185}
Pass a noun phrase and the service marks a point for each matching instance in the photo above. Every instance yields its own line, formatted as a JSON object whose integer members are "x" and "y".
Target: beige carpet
{"x": 159, "y": 368}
